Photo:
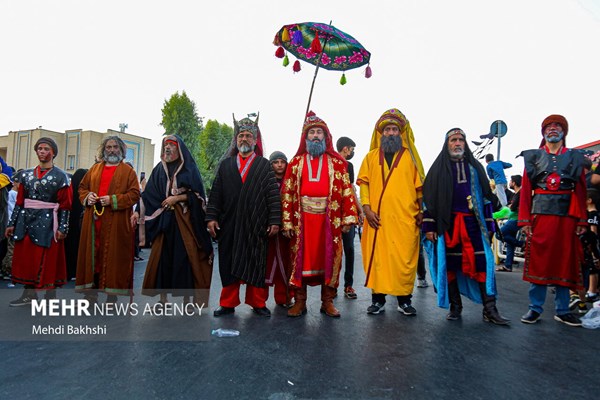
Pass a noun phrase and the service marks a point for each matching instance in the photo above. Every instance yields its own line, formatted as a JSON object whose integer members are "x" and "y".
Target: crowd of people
{"x": 290, "y": 224}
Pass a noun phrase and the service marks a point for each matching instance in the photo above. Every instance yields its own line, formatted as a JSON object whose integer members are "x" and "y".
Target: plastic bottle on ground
{"x": 225, "y": 332}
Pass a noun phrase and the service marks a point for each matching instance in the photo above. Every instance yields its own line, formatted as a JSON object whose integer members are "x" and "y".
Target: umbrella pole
{"x": 312, "y": 86}
{"x": 316, "y": 72}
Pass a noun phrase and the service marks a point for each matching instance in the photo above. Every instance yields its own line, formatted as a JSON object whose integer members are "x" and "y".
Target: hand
{"x": 346, "y": 228}
{"x": 419, "y": 219}
{"x": 169, "y": 202}
{"x": 372, "y": 218}
{"x": 361, "y": 218}
{"x": 580, "y": 230}
{"x": 273, "y": 230}
{"x": 288, "y": 233}
{"x": 134, "y": 219}
{"x": 9, "y": 232}
{"x": 60, "y": 235}
{"x": 213, "y": 227}
{"x": 431, "y": 236}
{"x": 527, "y": 230}
{"x": 104, "y": 201}
{"x": 92, "y": 199}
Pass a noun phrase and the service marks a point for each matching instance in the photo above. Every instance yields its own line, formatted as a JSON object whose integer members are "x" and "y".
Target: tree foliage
{"x": 179, "y": 117}
{"x": 215, "y": 139}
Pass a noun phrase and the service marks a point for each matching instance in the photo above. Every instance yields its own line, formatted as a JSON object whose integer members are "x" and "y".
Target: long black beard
{"x": 391, "y": 144}
{"x": 315, "y": 149}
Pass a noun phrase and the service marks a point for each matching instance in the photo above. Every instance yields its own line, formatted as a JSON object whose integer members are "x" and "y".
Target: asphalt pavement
{"x": 357, "y": 356}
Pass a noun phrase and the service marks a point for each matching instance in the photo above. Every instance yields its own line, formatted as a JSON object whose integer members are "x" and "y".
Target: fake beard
{"x": 391, "y": 144}
{"x": 554, "y": 139}
{"x": 315, "y": 148}
{"x": 244, "y": 148}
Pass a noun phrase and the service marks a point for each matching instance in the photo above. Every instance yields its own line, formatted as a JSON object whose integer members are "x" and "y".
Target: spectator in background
{"x": 345, "y": 146}
{"x": 72, "y": 241}
{"x": 495, "y": 171}
{"x": 510, "y": 228}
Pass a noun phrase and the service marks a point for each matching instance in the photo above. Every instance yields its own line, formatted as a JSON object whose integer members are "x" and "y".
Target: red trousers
{"x": 281, "y": 292}
{"x": 255, "y": 297}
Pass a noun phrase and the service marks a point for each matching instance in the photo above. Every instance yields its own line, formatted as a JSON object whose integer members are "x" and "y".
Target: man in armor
{"x": 39, "y": 224}
{"x": 552, "y": 212}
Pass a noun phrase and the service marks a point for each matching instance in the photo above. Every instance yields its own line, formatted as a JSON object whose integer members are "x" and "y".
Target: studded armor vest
{"x": 554, "y": 177}
{"x": 38, "y": 223}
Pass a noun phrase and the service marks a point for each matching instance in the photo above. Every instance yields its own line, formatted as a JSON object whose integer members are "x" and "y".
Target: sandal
{"x": 504, "y": 269}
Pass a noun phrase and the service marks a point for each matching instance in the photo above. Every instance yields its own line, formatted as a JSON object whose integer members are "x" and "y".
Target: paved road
{"x": 358, "y": 356}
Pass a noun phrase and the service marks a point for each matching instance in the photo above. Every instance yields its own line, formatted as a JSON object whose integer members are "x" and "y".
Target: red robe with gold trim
{"x": 340, "y": 211}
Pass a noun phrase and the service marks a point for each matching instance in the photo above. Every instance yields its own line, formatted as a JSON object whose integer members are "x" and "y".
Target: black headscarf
{"x": 186, "y": 176}
{"x": 439, "y": 186}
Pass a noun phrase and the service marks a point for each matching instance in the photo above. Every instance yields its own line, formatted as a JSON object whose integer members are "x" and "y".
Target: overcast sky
{"x": 95, "y": 64}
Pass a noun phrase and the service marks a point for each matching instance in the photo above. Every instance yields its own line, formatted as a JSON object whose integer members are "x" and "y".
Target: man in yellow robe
{"x": 391, "y": 179}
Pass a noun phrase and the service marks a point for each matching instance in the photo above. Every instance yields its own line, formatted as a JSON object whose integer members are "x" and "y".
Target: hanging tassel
{"x": 280, "y": 52}
{"x": 297, "y": 38}
{"x": 315, "y": 46}
{"x": 368, "y": 72}
{"x": 343, "y": 79}
{"x": 286, "y": 61}
{"x": 285, "y": 36}
{"x": 297, "y": 66}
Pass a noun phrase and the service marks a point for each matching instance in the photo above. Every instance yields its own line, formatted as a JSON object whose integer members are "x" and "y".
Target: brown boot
{"x": 327, "y": 295}
{"x": 299, "y": 307}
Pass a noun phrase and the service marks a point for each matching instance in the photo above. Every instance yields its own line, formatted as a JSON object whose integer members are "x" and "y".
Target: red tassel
{"x": 297, "y": 66}
{"x": 280, "y": 52}
{"x": 315, "y": 46}
{"x": 368, "y": 72}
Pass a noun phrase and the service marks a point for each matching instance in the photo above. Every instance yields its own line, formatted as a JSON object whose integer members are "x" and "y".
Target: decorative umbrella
{"x": 322, "y": 45}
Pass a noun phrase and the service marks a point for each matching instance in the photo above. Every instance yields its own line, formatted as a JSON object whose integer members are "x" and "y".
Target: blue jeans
{"x": 509, "y": 234}
{"x": 537, "y": 297}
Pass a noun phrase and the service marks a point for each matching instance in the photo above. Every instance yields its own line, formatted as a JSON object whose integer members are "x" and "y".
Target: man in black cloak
{"x": 244, "y": 210}
{"x": 180, "y": 262}
{"x": 458, "y": 224}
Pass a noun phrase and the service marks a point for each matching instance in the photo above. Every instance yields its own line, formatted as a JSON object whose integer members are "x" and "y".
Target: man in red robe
{"x": 106, "y": 249}
{"x": 39, "y": 224}
{"x": 318, "y": 204}
{"x": 553, "y": 212}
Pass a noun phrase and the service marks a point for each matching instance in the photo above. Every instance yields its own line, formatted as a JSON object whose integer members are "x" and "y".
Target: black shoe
{"x": 568, "y": 319}
{"x": 223, "y": 311}
{"x": 531, "y": 317}
{"x": 22, "y": 301}
{"x": 376, "y": 308}
{"x": 407, "y": 309}
{"x": 263, "y": 311}
{"x": 50, "y": 294}
{"x": 495, "y": 318}
{"x": 454, "y": 314}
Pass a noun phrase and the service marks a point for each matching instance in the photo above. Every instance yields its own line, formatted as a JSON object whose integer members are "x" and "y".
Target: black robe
{"x": 175, "y": 269}
{"x": 244, "y": 212}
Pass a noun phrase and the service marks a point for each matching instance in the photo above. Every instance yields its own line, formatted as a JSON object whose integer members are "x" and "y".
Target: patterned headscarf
{"x": 395, "y": 117}
{"x": 312, "y": 121}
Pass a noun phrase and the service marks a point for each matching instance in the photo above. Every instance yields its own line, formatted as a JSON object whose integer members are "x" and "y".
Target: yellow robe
{"x": 393, "y": 254}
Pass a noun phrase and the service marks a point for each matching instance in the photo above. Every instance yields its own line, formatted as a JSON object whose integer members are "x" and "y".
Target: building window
{"x": 70, "y": 163}
{"x": 129, "y": 157}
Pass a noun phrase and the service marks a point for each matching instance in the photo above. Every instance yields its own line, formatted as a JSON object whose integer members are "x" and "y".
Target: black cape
{"x": 439, "y": 187}
{"x": 244, "y": 212}
{"x": 154, "y": 194}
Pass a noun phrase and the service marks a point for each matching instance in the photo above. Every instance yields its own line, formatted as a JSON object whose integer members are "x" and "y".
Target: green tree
{"x": 179, "y": 117}
{"x": 215, "y": 139}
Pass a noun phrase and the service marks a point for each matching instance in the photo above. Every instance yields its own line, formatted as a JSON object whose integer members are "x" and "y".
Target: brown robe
{"x": 116, "y": 236}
